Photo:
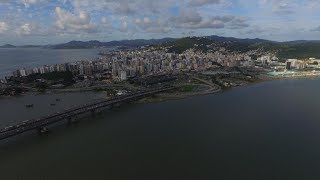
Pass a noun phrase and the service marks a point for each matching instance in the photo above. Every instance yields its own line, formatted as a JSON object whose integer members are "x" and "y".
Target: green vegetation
{"x": 41, "y": 87}
{"x": 187, "y": 88}
{"x": 107, "y": 90}
{"x": 43, "y": 81}
{"x": 286, "y": 50}
{"x": 183, "y": 44}
{"x": 301, "y": 50}
{"x": 65, "y": 78}
{"x": 12, "y": 91}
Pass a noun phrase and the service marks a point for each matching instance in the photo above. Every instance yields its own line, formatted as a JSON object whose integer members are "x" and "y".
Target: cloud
{"x": 31, "y": 29}
{"x": 123, "y": 8}
{"x": 203, "y": 2}
{"x": 255, "y": 30}
{"x": 4, "y": 1}
{"x": 124, "y": 27}
{"x": 190, "y": 19}
{"x": 281, "y": 6}
{"x": 238, "y": 22}
{"x": 105, "y": 21}
{"x": 66, "y": 22}
{"x": 58, "y": 20}
{"x": 26, "y": 29}
{"x": 151, "y": 25}
{"x": 3, "y": 27}
{"x": 28, "y": 3}
{"x": 315, "y": 29}
{"x": 187, "y": 17}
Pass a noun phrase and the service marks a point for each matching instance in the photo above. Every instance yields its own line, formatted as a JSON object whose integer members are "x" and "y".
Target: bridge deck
{"x": 54, "y": 118}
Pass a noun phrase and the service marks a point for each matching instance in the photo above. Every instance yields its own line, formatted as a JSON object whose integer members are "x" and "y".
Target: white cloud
{"x": 104, "y": 20}
{"x": 27, "y": 3}
{"x": 25, "y": 29}
{"x": 281, "y": 6}
{"x": 316, "y": 29}
{"x": 76, "y": 19}
{"x": 190, "y": 19}
{"x": 151, "y": 25}
{"x": 66, "y": 22}
{"x": 124, "y": 27}
{"x": 203, "y": 2}
{"x": 3, "y": 27}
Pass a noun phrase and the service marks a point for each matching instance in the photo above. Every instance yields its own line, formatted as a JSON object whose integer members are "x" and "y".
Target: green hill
{"x": 284, "y": 50}
{"x": 183, "y": 44}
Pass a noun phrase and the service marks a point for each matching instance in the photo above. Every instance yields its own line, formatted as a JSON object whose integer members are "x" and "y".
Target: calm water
{"x": 13, "y": 109}
{"x": 13, "y": 59}
{"x": 265, "y": 131}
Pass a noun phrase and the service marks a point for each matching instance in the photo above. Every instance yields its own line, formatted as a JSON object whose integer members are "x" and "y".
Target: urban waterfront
{"x": 15, "y": 58}
{"x": 268, "y": 130}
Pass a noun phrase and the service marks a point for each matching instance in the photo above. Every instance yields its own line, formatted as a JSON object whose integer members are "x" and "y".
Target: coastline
{"x": 177, "y": 96}
{"x": 211, "y": 89}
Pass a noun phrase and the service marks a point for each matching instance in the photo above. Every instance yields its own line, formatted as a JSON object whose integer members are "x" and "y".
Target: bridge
{"x": 42, "y": 123}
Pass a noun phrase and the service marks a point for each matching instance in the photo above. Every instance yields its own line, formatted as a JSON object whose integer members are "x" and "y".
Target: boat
{"x": 29, "y": 106}
{"x": 58, "y": 99}
{"x": 52, "y": 104}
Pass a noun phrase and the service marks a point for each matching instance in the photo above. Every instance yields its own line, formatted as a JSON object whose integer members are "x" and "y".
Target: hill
{"x": 143, "y": 42}
{"x": 8, "y": 46}
{"x": 98, "y": 44}
{"x": 183, "y": 44}
{"x": 204, "y": 44}
{"x": 238, "y": 40}
{"x": 300, "y": 49}
{"x": 284, "y": 50}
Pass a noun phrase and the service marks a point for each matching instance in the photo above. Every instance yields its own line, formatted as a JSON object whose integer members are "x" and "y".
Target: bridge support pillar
{"x": 69, "y": 120}
{"x": 93, "y": 113}
{"x": 72, "y": 120}
{"x": 43, "y": 130}
{"x": 113, "y": 106}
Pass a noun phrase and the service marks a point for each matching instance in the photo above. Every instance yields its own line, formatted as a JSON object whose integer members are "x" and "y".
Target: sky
{"x": 57, "y": 21}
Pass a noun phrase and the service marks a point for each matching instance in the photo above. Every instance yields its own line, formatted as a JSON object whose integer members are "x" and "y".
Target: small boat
{"x": 58, "y": 99}
{"x": 52, "y": 104}
{"x": 29, "y": 106}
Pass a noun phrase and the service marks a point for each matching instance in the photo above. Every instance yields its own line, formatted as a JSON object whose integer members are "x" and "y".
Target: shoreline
{"x": 170, "y": 96}
{"x": 175, "y": 95}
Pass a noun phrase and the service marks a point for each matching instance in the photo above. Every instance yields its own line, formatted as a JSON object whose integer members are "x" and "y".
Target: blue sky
{"x": 58, "y": 21}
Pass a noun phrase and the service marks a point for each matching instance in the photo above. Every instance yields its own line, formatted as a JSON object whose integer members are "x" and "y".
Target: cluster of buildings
{"x": 119, "y": 65}
{"x": 302, "y": 64}
{"x": 40, "y": 70}
{"x": 141, "y": 62}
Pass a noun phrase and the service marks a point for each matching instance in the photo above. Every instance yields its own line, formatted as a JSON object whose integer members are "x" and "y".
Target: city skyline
{"x": 57, "y": 21}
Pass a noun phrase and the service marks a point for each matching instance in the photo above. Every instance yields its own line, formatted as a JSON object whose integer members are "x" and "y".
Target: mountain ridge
{"x": 290, "y": 49}
{"x": 129, "y": 43}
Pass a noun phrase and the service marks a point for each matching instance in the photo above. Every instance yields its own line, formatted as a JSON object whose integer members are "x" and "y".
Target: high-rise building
{"x": 123, "y": 75}
{"x": 288, "y": 65}
{"x": 42, "y": 70}
{"x": 22, "y": 72}
{"x": 81, "y": 69}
